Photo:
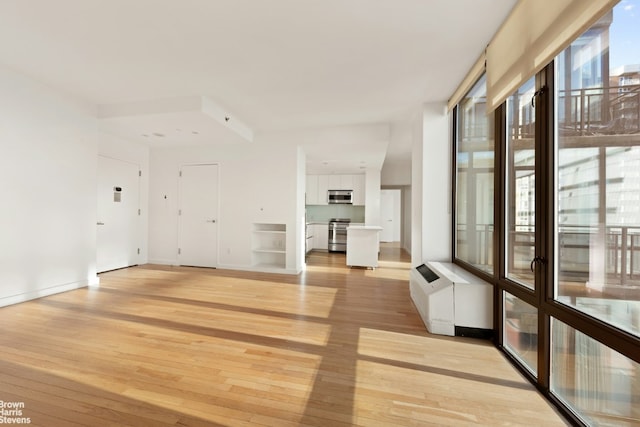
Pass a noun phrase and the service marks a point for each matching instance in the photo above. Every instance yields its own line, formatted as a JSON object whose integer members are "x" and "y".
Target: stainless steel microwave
{"x": 344, "y": 197}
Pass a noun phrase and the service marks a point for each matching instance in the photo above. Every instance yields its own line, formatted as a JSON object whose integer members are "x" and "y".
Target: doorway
{"x": 391, "y": 215}
{"x": 118, "y": 226}
{"x": 198, "y": 216}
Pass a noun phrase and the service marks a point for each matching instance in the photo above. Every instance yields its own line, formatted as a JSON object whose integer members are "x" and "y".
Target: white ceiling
{"x": 271, "y": 64}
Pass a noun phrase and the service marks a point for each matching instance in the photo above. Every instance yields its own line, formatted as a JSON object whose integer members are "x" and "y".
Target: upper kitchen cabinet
{"x": 318, "y": 185}
{"x": 335, "y": 182}
{"x": 312, "y": 190}
{"x": 359, "y": 194}
{"x": 341, "y": 182}
{"x": 346, "y": 182}
{"x": 323, "y": 187}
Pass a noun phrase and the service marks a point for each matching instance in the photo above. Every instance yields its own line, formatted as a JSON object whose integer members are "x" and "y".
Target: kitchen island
{"x": 363, "y": 245}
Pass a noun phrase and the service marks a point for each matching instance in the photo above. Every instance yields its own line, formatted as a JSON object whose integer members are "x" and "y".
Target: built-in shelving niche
{"x": 269, "y": 246}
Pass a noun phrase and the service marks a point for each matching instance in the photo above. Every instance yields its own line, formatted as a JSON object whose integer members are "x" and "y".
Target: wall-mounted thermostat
{"x": 117, "y": 194}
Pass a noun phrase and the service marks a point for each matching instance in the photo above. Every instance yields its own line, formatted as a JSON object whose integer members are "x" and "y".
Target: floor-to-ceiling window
{"x": 520, "y": 184}
{"x": 474, "y": 180}
{"x": 597, "y": 212}
{"x": 520, "y": 317}
{"x": 567, "y": 218}
{"x": 598, "y": 174}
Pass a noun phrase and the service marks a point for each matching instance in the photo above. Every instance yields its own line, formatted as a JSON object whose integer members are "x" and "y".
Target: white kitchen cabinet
{"x": 309, "y": 239}
{"x": 318, "y": 185}
{"x": 346, "y": 182}
{"x": 363, "y": 245}
{"x": 341, "y": 182}
{"x": 335, "y": 182}
{"x": 321, "y": 236}
{"x": 323, "y": 187}
{"x": 269, "y": 246}
{"x": 312, "y": 190}
{"x": 309, "y": 234}
{"x": 359, "y": 194}
{"x": 316, "y": 189}
{"x": 314, "y": 242}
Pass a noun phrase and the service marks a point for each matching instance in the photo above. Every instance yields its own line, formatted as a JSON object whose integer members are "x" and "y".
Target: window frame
{"x": 487, "y": 276}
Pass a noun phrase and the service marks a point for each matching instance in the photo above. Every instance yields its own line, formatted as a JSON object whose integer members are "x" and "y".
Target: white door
{"x": 198, "y": 216}
{"x": 390, "y": 201}
{"x": 118, "y": 227}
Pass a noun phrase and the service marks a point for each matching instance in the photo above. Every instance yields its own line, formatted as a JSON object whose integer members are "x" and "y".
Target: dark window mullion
{"x": 545, "y": 216}
{"x": 454, "y": 183}
{"x": 499, "y": 218}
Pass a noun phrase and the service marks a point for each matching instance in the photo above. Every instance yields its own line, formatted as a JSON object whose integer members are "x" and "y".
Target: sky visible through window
{"x": 625, "y": 35}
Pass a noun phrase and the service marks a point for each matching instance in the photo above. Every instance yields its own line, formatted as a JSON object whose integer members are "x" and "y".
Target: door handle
{"x": 537, "y": 260}
{"x": 100, "y": 223}
{"x": 212, "y": 221}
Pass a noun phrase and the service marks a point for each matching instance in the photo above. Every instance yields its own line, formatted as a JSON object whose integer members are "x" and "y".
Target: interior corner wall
{"x": 48, "y": 165}
{"x": 132, "y": 152}
{"x": 431, "y": 188}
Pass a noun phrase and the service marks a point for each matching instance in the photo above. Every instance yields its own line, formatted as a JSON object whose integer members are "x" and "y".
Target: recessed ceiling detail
{"x": 166, "y": 118}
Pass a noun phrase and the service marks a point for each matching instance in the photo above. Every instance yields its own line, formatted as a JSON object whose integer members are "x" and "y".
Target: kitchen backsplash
{"x": 322, "y": 213}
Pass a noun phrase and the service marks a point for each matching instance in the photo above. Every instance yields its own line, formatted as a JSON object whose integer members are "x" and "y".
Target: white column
{"x": 372, "y": 199}
{"x": 431, "y": 185}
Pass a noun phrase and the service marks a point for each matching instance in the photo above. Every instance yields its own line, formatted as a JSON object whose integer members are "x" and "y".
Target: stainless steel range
{"x": 338, "y": 234}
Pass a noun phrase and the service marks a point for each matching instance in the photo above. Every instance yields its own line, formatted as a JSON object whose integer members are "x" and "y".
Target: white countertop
{"x": 364, "y": 227}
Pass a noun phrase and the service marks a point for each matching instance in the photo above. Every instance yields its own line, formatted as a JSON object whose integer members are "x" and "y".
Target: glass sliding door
{"x": 520, "y": 185}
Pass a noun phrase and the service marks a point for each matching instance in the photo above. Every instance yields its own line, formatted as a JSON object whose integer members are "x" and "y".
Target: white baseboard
{"x": 259, "y": 269}
{"x": 232, "y": 267}
{"x": 162, "y": 261}
{"x": 39, "y": 293}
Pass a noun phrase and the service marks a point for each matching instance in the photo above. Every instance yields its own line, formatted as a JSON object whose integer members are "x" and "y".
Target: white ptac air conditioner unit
{"x": 451, "y": 301}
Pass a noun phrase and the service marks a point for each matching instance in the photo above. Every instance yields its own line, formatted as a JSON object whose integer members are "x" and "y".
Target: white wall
{"x": 431, "y": 186}
{"x": 47, "y": 166}
{"x": 396, "y": 172}
{"x": 417, "y": 150}
{"x": 372, "y": 197}
{"x": 138, "y": 154}
{"x": 258, "y": 183}
{"x": 406, "y": 219}
{"x": 300, "y": 207}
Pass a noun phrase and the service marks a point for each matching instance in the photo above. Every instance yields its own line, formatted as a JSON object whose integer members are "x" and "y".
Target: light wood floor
{"x": 172, "y": 346}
